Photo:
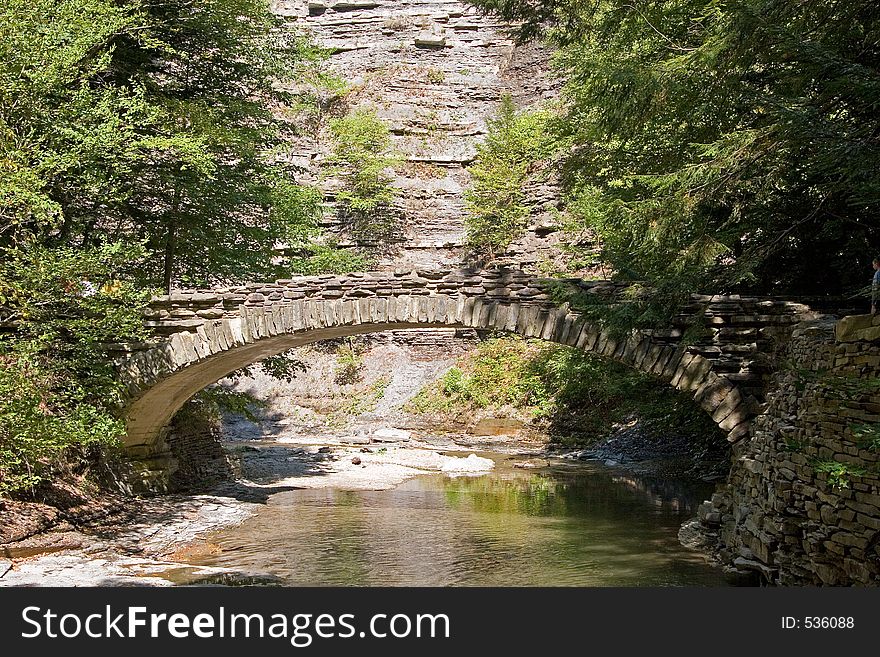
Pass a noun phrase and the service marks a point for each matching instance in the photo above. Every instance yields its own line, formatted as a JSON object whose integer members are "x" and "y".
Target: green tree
{"x": 153, "y": 122}
{"x": 60, "y": 311}
{"x": 66, "y": 142}
{"x": 362, "y": 157}
{"x": 215, "y": 196}
{"x": 721, "y": 146}
{"x": 141, "y": 144}
{"x": 497, "y": 201}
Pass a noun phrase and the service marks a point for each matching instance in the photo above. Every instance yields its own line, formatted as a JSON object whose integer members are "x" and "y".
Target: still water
{"x": 568, "y": 525}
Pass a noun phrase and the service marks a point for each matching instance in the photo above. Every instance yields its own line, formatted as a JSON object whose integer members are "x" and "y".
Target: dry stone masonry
{"x": 802, "y": 504}
{"x": 796, "y": 392}
{"x": 789, "y": 387}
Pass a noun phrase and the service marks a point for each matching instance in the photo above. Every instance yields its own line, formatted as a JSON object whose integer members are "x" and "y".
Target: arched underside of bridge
{"x": 161, "y": 378}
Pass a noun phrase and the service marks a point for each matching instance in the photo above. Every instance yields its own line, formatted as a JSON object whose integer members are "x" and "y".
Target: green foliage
{"x": 60, "y": 137}
{"x": 436, "y": 76}
{"x": 866, "y": 436}
{"x": 154, "y": 123}
{"x": 511, "y": 373}
{"x": 319, "y": 91}
{"x": 215, "y": 401}
{"x": 58, "y": 392}
{"x": 328, "y": 258}
{"x": 839, "y": 475}
{"x": 578, "y": 393}
{"x": 44, "y": 416}
{"x": 362, "y": 157}
{"x": 795, "y": 445}
{"x": 349, "y": 363}
{"x": 496, "y": 203}
{"x": 217, "y": 198}
{"x": 720, "y": 145}
{"x": 139, "y": 147}
{"x": 283, "y": 367}
{"x": 379, "y": 387}
{"x": 636, "y": 307}
{"x": 358, "y": 402}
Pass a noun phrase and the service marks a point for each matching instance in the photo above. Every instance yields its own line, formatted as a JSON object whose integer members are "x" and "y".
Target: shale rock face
{"x": 434, "y": 71}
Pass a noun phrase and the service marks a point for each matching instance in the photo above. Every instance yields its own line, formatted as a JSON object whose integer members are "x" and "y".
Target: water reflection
{"x": 567, "y": 526}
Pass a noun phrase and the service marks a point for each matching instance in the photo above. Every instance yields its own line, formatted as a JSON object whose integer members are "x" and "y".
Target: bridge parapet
{"x": 187, "y": 308}
{"x": 723, "y": 316}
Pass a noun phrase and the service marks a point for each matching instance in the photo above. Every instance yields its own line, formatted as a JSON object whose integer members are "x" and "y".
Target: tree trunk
{"x": 171, "y": 239}
{"x": 169, "y": 257}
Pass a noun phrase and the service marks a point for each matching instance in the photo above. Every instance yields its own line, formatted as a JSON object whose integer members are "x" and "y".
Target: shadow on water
{"x": 227, "y": 579}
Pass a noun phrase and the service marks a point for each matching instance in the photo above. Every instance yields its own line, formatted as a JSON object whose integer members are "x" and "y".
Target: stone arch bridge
{"x": 203, "y": 335}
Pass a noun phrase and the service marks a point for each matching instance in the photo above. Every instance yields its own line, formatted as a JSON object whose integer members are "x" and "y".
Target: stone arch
{"x": 162, "y": 377}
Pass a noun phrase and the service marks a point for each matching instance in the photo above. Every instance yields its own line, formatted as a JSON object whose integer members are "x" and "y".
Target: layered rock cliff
{"x": 434, "y": 71}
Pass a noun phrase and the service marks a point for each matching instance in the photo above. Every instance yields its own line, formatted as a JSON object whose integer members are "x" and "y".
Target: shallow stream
{"x": 572, "y": 524}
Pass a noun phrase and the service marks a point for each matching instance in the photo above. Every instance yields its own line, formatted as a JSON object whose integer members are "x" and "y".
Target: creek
{"x": 569, "y": 524}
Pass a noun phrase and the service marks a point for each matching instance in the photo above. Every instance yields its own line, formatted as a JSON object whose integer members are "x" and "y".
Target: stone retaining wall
{"x": 782, "y": 513}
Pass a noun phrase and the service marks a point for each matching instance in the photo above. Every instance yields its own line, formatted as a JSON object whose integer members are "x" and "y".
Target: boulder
{"x": 430, "y": 40}
{"x": 389, "y": 435}
{"x": 858, "y": 328}
{"x": 471, "y": 464}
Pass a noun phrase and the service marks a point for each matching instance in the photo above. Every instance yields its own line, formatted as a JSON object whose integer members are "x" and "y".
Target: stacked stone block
{"x": 781, "y": 513}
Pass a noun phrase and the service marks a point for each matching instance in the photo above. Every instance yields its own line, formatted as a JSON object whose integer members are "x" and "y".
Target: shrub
{"x": 330, "y": 259}
{"x": 59, "y": 395}
{"x": 496, "y": 204}
{"x": 361, "y": 156}
{"x": 576, "y": 393}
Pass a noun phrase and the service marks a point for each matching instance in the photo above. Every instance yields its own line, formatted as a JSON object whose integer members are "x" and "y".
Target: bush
{"x": 349, "y": 362}
{"x": 496, "y": 203}
{"x": 573, "y": 392}
{"x": 362, "y": 156}
{"x": 40, "y": 422}
{"x": 59, "y": 395}
{"x": 329, "y": 259}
